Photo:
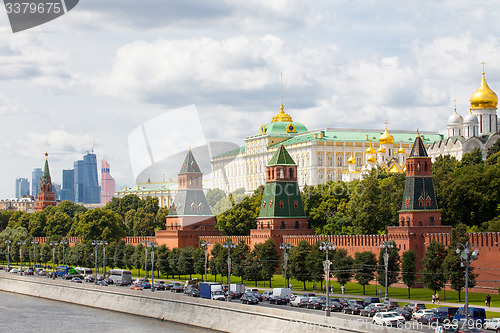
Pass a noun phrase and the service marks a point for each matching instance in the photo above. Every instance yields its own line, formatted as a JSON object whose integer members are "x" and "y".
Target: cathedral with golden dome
{"x": 478, "y": 129}
{"x": 321, "y": 155}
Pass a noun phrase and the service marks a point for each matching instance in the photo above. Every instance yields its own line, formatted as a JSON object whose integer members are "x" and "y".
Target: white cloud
{"x": 10, "y": 106}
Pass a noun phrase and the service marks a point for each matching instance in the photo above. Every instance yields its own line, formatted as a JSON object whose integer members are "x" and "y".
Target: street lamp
{"x": 285, "y": 247}
{"x": 326, "y": 246}
{"x": 53, "y": 244}
{"x": 104, "y": 243}
{"x": 205, "y": 246}
{"x": 21, "y": 243}
{"x": 466, "y": 257}
{"x": 34, "y": 242}
{"x": 96, "y": 243}
{"x": 228, "y": 245}
{"x": 386, "y": 245}
{"x": 145, "y": 244}
{"x": 8, "y": 252}
{"x": 63, "y": 243}
{"x": 153, "y": 246}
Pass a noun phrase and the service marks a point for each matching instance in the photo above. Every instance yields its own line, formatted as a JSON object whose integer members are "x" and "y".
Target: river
{"x": 20, "y": 313}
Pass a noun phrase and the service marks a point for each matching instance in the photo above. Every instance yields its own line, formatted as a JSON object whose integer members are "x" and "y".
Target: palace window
{"x": 339, "y": 161}
{"x": 320, "y": 160}
{"x": 282, "y": 204}
{"x": 296, "y": 204}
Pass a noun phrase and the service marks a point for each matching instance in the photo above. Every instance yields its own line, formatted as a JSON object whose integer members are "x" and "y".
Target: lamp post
{"x": 285, "y": 247}
{"x": 386, "y": 245}
{"x": 63, "y": 243}
{"x": 466, "y": 257}
{"x": 34, "y": 242}
{"x": 326, "y": 246}
{"x": 8, "y": 241}
{"x": 145, "y": 244}
{"x": 229, "y": 245}
{"x": 53, "y": 244}
{"x": 96, "y": 243}
{"x": 205, "y": 246}
{"x": 104, "y": 243}
{"x": 21, "y": 243}
{"x": 153, "y": 246}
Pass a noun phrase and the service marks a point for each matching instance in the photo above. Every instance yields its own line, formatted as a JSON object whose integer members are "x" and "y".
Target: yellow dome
{"x": 381, "y": 150}
{"x": 282, "y": 116}
{"x": 484, "y": 97}
{"x": 370, "y": 150}
{"x": 386, "y": 138}
{"x": 351, "y": 160}
{"x": 370, "y": 158}
{"x": 401, "y": 150}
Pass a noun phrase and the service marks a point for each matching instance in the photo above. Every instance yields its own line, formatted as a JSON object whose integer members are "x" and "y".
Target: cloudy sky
{"x": 106, "y": 68}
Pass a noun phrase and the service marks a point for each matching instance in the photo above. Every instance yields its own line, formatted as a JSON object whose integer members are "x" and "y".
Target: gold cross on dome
{"x": 483, "y": 63}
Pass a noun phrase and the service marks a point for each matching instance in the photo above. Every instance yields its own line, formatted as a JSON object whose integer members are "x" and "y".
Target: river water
{"x": 20, "y": 313}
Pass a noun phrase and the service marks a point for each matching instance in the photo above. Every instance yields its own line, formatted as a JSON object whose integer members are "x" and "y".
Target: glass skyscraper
{"x": 86, "y": 186}
{"x": 22, "y": 187}
{"x": 68, "y": 185}
{"x": 36, "y": 176}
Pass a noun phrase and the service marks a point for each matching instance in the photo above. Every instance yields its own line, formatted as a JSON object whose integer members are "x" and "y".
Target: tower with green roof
{"x": 46, "y": 197}
{"x": 281, "y": 207}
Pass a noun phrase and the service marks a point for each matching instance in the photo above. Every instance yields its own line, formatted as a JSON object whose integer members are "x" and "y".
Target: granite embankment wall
{"x": 221, "y": 316}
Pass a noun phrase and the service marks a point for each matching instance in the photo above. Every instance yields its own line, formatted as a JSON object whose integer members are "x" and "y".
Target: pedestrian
{"x": 331, "y": 288}
{"x": 380, "y": 293}
{"x": 437, "y": 298}
{"x": 488, "y": 300}
{"x": 433, "y": 298}
{"x": 291, "y": 286}
{"x": 314, "y": 288}
{"x": 343, "y": 289}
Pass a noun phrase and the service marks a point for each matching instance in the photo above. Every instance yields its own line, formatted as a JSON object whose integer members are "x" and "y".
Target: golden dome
{"x": 381, "y": 150}
{"x": 386, "y": 138}
{"x": 282, "y": 116}
{"x": 370, "y": 158}
{"x": 484, "y": 97}
{"x": 370, "y": 150}
{"x": 351, "y": 160}
{"x": 401, "y": 150}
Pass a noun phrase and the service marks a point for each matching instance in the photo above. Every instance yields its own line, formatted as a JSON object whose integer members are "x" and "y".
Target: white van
{"x": 282, "y": 292}
{"x": 120, "y": 274}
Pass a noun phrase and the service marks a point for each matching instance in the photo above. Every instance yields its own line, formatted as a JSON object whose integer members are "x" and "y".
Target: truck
{"x": 212, "y": 290}
{"x": 236, "y": 290}
{"x": 283, "y": 293}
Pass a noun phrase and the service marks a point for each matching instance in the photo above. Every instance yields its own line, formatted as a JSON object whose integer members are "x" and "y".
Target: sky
{"x": 106, "y": 70}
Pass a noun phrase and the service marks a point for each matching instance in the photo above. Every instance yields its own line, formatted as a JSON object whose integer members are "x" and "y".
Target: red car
{"x": 136, "y": 287}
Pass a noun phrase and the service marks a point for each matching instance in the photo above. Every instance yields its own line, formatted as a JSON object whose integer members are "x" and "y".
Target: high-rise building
{"x": 36, "y": 176}
{"x": 107, "y": 183}
{"x": 68, "y": 185}
{"x": 87, "y": 189}
{"x": 22, "y": 187}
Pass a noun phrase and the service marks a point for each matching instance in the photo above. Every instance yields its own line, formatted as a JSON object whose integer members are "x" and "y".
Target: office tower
{"x": 22, "y": 187}
{"x": 56, "y": 188}
{"x": 36, "y": 176}
{"x": 68, "y": 185}
{"x": 107, "y": 183}
{"x": 87, "y": 189}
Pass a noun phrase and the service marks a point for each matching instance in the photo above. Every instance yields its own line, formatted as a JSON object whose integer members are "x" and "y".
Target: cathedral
{"x": 478, "y": 129}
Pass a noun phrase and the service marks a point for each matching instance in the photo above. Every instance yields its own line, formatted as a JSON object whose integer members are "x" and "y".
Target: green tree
{"x": 494, "y": 149}
{"x": 364, "y": 208}
{"x": 37, "y": 222}
{"x": 45, "y": 254}
{"x": 98, "y": 223}
{"x": 70, "y": 209}
{"x": 473, "y": 158}
{"x": 314, "y": 262}
{"x": 342, "y": 266}
{"x": 186, "y": 261}
{"x": 213, "y": 196}
{"x": 409, "y": 269}
{"x": 215, "y": 262}
{"x": 119, "y": 254}
{"x": 297, "y": 262}
{"x": 57, "y": 224}
{"x": 433, "y": 274}
{"x": 4, "y": 218}
{"x": 199, "y": 261}
{"x": 239, "y": 254}
{"x": 252, "y": 267}
{"x": 163, "y": 254}
{"x": 365, "y": 264}
{"x": 268, "y": 257}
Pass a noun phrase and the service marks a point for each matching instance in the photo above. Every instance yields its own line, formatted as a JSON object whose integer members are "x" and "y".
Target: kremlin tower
{"x": 46, "y": 197}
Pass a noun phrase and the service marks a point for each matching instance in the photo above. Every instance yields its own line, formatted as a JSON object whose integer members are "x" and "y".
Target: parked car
{"x": 309, "y": 295}
{"x": 402, "y": 312}
{"x": 334, "y": 306}
{"x": 388, "y": 319}
{"x": 51, "y": 275}
{"x": 146, "y": 285}
{"x": 168, "y": 286}
{"x": 76, "y": 279}
{"x": 109, "y": 281}
{"x": 369, "y": 300}
{"x": 266, "y": 295}
{"x": 429, "y": 318}
{"x": 446, "y": 328}
{"x": 249, "y": 298}
{"x": 193, "y": 292}
{"x": 476, "y": 314}
{"x": 492, "y": 324}
{"x": 300, "y": 301}
{"x": 278, "y": 300}
{"x": 390, "y": 304}
{"x": 159, "y": 285}
{"x": 414, "y": 307}
{"x": 421, "y": 313}
{"x": 353, "y": 308}
{"x": 316, "y": 303}
{"x": 14, "y": 271}
{"x": 446, "y": 312}
{"x": 29, "y": 271}
{"x": 89, "y": 278}
{"x": 121, "y": 283}
{"x": 369, "y": 311}
{"x": 177, "y": 288}
{"x": 42, "y": 273}
{"x": 102, "y": 283}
